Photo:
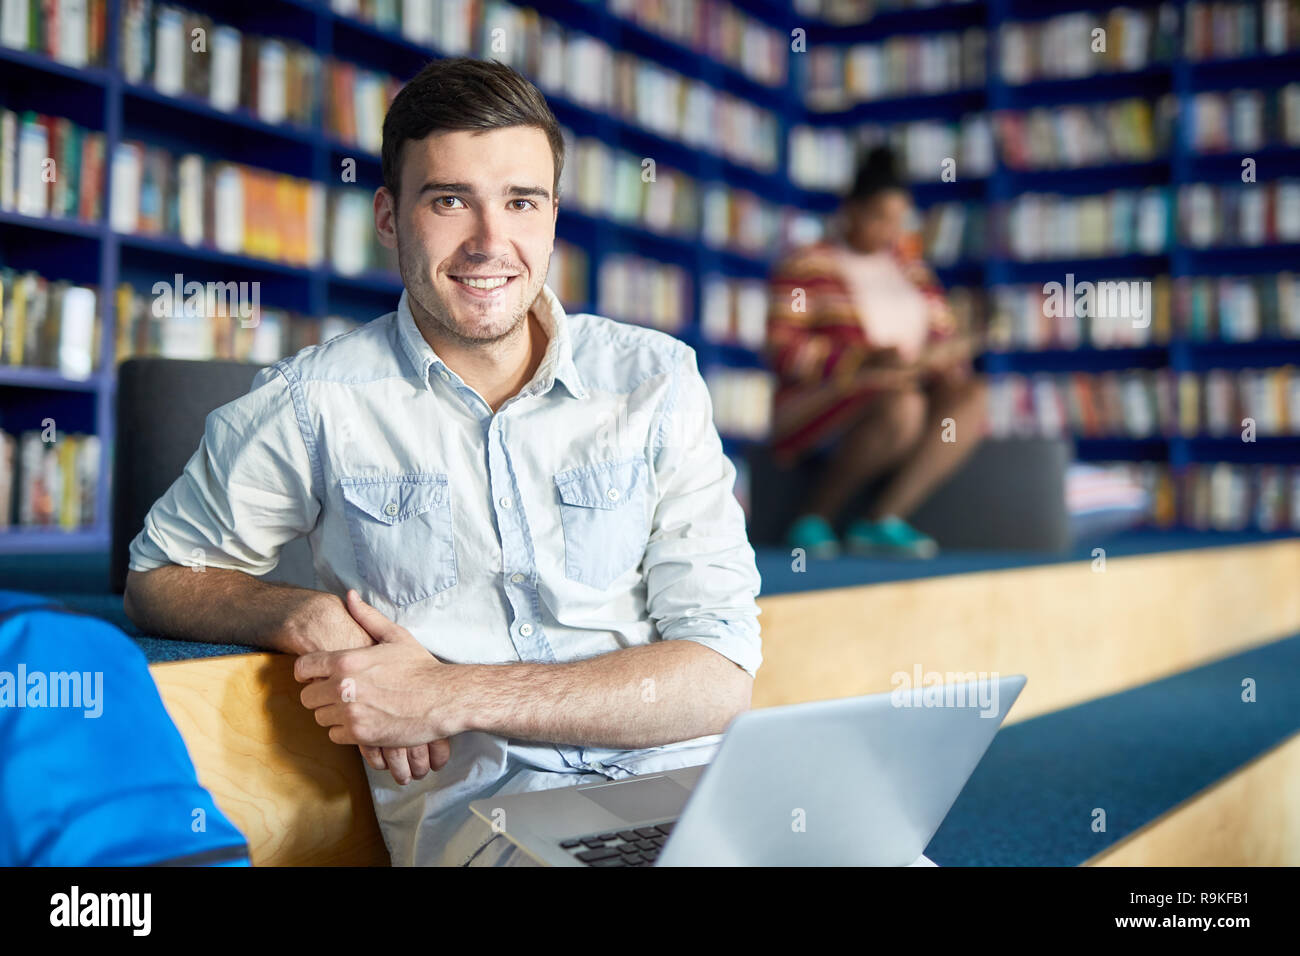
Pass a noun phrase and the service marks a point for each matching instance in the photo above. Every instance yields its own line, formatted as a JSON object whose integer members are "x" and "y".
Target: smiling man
{"x": 535, "y": 571}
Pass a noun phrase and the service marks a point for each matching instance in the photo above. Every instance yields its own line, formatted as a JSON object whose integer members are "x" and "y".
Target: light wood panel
{"x": 1251, "y": 818}
{"x": 298, "y": 798}
{"x": 1075, "y": 632}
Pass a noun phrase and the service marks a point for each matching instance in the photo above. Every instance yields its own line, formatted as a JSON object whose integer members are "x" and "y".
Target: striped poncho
{"x": 817, "y": 344}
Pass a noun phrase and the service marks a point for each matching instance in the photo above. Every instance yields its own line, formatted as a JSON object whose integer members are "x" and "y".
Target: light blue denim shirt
{"x": 593, "y": 511}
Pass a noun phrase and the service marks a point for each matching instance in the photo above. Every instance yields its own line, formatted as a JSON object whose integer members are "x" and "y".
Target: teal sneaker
{"x": 890, "y": 537}
{"x": 815, "y": 535}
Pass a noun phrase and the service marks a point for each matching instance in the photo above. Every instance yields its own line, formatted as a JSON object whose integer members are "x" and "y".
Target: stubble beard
{"x": 429, "y": 310}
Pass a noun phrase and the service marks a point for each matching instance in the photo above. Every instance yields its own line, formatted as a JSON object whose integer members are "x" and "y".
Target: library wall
{"x": 1110, "y": 195}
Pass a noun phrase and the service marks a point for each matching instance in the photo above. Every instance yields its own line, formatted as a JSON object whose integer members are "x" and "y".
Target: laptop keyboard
{"x": 637, "y": 847}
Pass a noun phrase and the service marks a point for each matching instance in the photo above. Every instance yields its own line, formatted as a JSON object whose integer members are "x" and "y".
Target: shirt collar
{"x": 556, "y": 365}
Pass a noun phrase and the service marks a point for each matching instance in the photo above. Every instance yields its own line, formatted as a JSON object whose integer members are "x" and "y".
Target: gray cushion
{"x": 162, "y": 405}
{"x": 1010, "y": 494}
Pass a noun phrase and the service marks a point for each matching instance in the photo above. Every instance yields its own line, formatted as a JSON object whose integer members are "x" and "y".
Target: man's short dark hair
{"x": 465, "y": 94}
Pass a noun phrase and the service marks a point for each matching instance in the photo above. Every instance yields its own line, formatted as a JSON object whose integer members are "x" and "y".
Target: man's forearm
{"x": 220, "y": 606}
{"x": 633, "y": 698}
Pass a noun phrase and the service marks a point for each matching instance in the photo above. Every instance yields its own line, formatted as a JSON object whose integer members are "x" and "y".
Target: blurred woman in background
{"x": 869, "y": 364}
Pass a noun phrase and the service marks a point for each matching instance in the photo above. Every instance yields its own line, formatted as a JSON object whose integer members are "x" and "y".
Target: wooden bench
{"x": 299, "y": 798}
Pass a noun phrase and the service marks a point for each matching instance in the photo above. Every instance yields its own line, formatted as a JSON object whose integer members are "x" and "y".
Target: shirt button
{"x": 390, "y": 509}
{"x": 517, "y": 578}
{"x": 504, "y": 502}
{"x": 612, "y": 494}
{"x": 445, "y": 376}
{"x": 596, "y": 765}
{"x": 525, "y": 629}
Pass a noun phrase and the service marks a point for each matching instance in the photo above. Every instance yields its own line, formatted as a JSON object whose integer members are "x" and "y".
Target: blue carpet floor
{"x": 779, "y": 577}
{"x": 1136, "y": 755}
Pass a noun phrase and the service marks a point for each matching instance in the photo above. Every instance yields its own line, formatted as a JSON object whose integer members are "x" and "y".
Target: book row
{"x": 586, "y": 70}
{"x": 356, "y": 100}
{"x": 826, "y": 157}
{"x": 837, "y": 77}
{"x": 50, "y": 166}
{"x": 179, "y": 52}
{"x": 351, "y": 243}
{"x": 209, "y": 324}
{"x": 1041, "y": 226}
{"x": 1220, "y": 30}
{"x": 846, "y": 12}
{"x": 734, "y": 311}
{"x": 742, "y": 401}
{"x": 48, "y": 324}
{"x": 1110, "y": 313}
{"x": 74, "y": 32}
{"x": 717, "y": 29}
{"x": 954, "y": 232}
{"x": 1244, "y": 119}
{"x": 240, "y": 209}
{"x": 1230, "y": 497}
{"x": 1067, "y": 136}
{"x": 48, "y": 479}
{"x": 1148, "y": 403}
{"x": 1081, "y": 44}
{"x": 1137, "y": 312}
{"x": 1217, "y": 496}
{"x": 631, "y": 288}
{"x": 1242, "y": 214}
{"x": 714, "y": 28}
{"x": 1068, "y": 45}
{"x": 1237, "y": 308}
{"x": 226, "y": 206}
{"x": 627, "y": 188}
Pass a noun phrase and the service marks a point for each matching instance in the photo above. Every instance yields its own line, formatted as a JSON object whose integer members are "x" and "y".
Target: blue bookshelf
{"x": 1180, "y": 164}
{"x": 100, "y": 98}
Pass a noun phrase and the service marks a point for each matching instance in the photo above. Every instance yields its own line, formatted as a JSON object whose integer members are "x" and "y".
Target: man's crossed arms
{"x": 401, "y": 705}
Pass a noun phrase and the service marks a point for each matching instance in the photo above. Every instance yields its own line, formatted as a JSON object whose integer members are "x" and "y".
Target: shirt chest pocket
{"x": 603, "y": 510}
{"x": 401, "y": 531}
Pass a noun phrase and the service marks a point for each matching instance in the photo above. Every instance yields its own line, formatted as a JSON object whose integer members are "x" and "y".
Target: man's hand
{"x": 324, "y": 624}
{"x": 392, "y": 694}
{"x": 407, "y": 763}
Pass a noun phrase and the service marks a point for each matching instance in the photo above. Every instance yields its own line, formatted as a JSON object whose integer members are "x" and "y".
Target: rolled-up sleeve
{"x": 247, "y": 490}
{"x": 699, "y": 567}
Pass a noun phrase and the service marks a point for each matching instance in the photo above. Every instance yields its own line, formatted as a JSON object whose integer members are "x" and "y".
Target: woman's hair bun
{"x": 877, "y": 171}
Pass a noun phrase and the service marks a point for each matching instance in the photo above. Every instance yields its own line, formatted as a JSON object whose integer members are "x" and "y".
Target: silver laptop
{"x": 861, "y": 781}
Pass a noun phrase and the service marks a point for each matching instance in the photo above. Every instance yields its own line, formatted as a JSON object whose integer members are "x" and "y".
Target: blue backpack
{"x": 92, "y": 770}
